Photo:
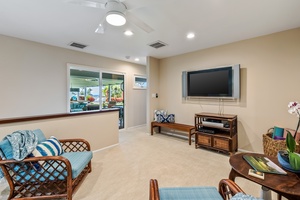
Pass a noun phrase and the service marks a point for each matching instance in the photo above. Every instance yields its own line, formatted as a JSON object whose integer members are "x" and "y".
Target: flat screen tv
{"x": 221, "y": 82}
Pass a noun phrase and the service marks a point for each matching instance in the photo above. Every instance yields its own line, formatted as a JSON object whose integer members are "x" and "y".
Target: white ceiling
{"x": 214, "y": 22}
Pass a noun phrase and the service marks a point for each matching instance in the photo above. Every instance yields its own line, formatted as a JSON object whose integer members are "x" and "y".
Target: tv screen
{"x": 210, "y": 83}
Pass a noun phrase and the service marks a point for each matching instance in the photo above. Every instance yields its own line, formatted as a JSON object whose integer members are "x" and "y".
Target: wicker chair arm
{"x": 228, "y": 188}
{"x": 34, "y": 159}
{"x": 75, "y": 145}
{"x": 8, "y": 166}
{"x": 154, "y": 192}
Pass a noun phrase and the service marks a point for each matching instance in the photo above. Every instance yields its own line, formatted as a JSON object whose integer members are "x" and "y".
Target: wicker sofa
{"x": 47, "y": 177}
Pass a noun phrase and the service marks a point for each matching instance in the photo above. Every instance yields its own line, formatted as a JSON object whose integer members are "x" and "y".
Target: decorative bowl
{"x": 283, "y": 160}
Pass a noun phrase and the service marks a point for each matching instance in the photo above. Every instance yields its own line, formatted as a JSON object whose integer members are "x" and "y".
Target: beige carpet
{"x": 123, "y": 171}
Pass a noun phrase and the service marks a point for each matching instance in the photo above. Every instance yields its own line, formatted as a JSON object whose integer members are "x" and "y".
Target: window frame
{"x": 136, "y": 85}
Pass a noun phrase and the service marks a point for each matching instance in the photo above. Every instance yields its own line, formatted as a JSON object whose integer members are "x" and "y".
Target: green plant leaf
{"x": 290, "y": 142}
{"x": 294, "y": 161}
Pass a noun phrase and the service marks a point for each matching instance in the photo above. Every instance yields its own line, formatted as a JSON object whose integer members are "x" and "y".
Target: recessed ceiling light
{"x": 190, "y": 35}
{"x": 137, "y": 59}
{"x": 128, "y": 33}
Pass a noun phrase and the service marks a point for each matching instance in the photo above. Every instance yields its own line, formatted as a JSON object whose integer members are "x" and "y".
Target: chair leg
{"x": 154, "y": 193}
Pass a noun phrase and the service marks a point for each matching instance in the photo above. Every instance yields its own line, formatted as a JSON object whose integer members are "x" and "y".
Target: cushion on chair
{"x": 50, "y": 147}
{"x": 78, "y": 161}
{"x": 190, "y": 193}
{"x": 40, "y": 135}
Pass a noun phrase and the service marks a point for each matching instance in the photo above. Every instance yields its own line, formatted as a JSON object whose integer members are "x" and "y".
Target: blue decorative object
{"x": 284, "y": 162}
{"x": 171, "y": 118}
{"x": 165, "y": 119}
{"x": 278, "y": 131}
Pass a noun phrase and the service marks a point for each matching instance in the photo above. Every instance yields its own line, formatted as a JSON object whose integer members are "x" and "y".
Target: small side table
{"x": 284, "y": 185}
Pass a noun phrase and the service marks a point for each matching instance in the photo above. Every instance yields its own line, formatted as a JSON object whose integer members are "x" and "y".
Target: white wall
{"x": 33, "y": 79}
{"x": 270, "y": 68}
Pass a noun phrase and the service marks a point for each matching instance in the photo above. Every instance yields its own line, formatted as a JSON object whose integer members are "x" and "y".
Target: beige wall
{"x": 33, "y": 79}
{"x": 270, "y": 69}
{"x": 100, "y": 130}
{"x": 153, "y": 80}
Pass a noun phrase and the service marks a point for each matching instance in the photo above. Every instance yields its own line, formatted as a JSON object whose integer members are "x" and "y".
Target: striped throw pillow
{"x": 50, "y": 147}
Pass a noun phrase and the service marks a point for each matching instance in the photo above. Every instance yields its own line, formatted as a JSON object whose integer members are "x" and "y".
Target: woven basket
{"x": 271, "y": 146}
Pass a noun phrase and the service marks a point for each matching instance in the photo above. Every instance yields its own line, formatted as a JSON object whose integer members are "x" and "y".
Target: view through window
{"x": 94, "y": 90}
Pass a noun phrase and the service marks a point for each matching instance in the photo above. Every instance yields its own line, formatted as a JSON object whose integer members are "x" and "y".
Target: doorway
{"x": 113, "y": 94}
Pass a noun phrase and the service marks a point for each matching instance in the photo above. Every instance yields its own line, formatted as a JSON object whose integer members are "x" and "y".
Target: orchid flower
{"x": 294, "y": 108}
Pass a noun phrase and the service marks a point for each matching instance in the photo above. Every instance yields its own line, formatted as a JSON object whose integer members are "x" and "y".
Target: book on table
{"x": 263, "y": 164}
{"x": 256, "y": 174}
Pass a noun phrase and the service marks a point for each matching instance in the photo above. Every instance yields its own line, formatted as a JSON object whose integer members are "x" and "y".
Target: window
{"x": 91, "y": 89}
{"x": 140, "y": 82}
{"x": 84, "y": 90}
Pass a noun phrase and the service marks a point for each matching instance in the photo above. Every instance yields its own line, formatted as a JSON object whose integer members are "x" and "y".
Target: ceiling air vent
{"x": 77, "y": 45}
{"x": 157, "y": 44}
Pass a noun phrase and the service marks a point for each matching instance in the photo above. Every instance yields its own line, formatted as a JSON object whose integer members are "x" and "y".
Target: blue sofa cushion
{"x": 78, "y": 161}
{"x": 190, "y": 193}
{"x": 40, "y": 135}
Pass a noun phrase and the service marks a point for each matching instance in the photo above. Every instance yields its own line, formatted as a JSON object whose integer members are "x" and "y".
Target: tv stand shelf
{"x": 211, "y": 133}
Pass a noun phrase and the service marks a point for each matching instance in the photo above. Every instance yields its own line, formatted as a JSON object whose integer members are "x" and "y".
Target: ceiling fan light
{"x": 115, "y": 18}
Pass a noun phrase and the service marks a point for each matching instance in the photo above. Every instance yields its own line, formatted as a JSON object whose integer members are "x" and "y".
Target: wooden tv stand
{"x": 181, "y": 127}
{"x": 217, "y": 132}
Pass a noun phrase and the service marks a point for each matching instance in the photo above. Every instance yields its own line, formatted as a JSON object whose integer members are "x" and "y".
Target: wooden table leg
{"x": 152, "y": 130}
{"x": 278, "y": 197}
{"x": 232, "y": 175}
{"x": 190, "y": 137}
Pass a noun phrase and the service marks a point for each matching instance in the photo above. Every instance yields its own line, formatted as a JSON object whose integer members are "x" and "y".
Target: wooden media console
{"x": 181, "y": 127}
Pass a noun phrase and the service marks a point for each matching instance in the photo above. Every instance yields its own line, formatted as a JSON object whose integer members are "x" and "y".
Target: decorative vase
{"x": 283, "y": 159}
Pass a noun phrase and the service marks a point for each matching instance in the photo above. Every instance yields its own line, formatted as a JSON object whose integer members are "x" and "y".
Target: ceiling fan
{"x": 117, "y": 14}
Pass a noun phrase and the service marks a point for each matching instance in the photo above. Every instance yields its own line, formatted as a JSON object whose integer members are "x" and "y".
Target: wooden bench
{"x": 181, "y": 127}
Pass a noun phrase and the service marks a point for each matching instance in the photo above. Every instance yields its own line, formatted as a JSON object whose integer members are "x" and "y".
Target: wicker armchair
{"x": 53, "y": 179}
{"x": 227, "y": 189}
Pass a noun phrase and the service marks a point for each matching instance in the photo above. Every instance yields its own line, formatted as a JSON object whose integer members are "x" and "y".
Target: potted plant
{"x": 288, "y": 158}
{"x": 294, "y": 108}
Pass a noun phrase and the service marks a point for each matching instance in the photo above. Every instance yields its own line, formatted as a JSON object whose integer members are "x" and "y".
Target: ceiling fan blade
{"x": 89, "y": 3}
{"x": 138, "y": 22}
{"x": 100, "y": 29}
{"x": 102, "y": 26}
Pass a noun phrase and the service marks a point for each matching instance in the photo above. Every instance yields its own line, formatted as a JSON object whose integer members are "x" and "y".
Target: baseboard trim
{"x": 138, "y": 126}
{"x": 108, "y": 147}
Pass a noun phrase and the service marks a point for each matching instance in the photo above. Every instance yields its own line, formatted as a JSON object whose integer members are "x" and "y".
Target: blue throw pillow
{"x": 40, "y": 135}
{"x": 50, "y": 147}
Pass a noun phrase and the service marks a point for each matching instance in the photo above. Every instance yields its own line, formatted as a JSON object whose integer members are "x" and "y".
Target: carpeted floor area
{"x": 123, "y": 171}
